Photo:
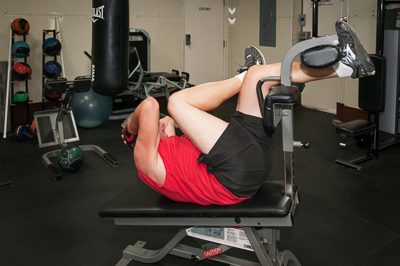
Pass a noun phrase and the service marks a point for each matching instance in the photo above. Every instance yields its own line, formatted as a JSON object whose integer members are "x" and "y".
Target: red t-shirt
{"x": 187, "y": 180}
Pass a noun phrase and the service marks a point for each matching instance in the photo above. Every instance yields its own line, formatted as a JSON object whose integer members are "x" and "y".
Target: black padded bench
{"x": 154, "y": 76}
{"x": 271, "y": 201}
{"x": 371, "y": 98}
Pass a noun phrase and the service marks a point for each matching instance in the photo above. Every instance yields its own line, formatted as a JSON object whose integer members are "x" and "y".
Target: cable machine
{"x": 387, "y": 45}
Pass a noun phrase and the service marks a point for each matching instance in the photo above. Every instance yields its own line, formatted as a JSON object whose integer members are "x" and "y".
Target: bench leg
{"x": 123, "y": 262}
{"x": 287, "y": 257}
{"x": 355, "y": 164}
{"x": 263, "y": 242}
{"x": 258, "y": 246}
{"x": 137, "y": 252}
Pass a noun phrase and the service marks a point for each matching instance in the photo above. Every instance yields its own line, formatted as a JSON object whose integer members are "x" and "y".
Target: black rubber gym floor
{"x": 344, "y": 218}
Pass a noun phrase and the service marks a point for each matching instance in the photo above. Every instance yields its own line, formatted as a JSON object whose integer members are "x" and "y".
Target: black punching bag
{"x": 110, "y": 41}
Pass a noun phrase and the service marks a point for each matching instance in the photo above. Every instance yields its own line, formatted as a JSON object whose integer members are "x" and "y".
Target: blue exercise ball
{"x": 91, "y": 109}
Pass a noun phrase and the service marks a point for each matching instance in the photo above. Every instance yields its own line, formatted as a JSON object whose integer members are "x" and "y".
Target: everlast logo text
{"x": 93, "y": 72}
{"x": 97, "y": 13}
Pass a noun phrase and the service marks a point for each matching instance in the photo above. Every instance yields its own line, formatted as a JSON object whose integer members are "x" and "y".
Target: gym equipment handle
{"x": 55, "y": 172}
{"x": 299, "y": 144}
{"x": 188, "y": 39}
{"x": 111, "y": 159}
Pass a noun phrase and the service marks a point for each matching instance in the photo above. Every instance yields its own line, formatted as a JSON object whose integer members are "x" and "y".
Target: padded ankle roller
{"x": 320, "y": 57}
{"x": 277, "y": 95}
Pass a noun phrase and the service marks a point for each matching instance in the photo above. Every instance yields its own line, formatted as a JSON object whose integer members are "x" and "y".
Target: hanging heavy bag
{"x": 110, "y": 41}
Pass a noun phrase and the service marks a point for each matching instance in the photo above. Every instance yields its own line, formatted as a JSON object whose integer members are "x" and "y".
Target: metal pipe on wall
{"x": 315, "y": 19}
{"x": 380, "y": 19}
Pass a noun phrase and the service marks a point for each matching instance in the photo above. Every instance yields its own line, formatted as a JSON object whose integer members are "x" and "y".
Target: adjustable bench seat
{"x": 154, "y": 77}
{"x": 371, "y": 98}
{"x": 355, "y": 128}
{"x": 140, "y": 205}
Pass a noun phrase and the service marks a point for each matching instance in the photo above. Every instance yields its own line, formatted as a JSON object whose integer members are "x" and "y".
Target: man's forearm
{"x": 133, "y": 125}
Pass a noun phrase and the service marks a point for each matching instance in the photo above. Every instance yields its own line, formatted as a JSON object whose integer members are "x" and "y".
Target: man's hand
{"x": 163, "y": 135}
{"x": 128, "y": 138}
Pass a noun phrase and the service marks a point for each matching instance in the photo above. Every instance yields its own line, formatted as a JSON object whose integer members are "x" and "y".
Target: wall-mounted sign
{"x": 327, "y": 3}
{"x": 203, "y": 8}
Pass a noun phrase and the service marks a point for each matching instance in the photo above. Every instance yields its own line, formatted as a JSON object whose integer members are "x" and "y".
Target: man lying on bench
{"x": 216, "y": 162}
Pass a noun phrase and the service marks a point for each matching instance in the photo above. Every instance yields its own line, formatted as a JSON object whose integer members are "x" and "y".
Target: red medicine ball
{"x": 21, "y": 71}
{"x": 20, "y": 26}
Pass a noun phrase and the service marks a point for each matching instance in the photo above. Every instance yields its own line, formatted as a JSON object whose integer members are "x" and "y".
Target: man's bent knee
{"x": 150, "y": 103}
{"x": 174, "y": 102}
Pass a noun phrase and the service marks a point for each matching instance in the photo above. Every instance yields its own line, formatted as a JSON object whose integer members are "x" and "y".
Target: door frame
{"x": 224, "y": 37}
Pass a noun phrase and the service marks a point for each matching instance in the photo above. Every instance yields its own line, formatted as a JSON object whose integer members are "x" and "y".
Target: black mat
{"x": 5, "y": 180}
{"x": 344, "y": 218}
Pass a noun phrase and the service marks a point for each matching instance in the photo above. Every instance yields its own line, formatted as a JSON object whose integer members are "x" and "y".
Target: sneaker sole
{"x": 360, "y": 51}
{"x": 261, "y": 54}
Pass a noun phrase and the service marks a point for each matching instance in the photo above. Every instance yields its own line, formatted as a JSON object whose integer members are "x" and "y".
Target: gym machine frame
{"x": 369, "y": 133}
{"x": 260, "y": 217}
{"x": 144, "y": 83}
{"x": 60, "y": 86}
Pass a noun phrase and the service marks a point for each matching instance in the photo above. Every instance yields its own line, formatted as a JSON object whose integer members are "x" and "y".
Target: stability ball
{"x": 91, "y": 109}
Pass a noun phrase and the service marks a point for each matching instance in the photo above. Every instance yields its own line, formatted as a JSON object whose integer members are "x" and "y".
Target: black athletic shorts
{"x": 241, "y": 159}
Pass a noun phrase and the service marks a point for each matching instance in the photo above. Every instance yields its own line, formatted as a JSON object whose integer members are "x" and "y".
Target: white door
{"x": 204, "y": 40}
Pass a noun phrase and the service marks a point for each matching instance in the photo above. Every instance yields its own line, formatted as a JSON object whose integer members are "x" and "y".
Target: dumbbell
{"x": 22, "y": 132}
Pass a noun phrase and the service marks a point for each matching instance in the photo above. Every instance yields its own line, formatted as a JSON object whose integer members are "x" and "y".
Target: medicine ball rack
{"x": 54, "y": 34}
{"x": 13, "y": 80}
{"x": 58, "y": 126}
